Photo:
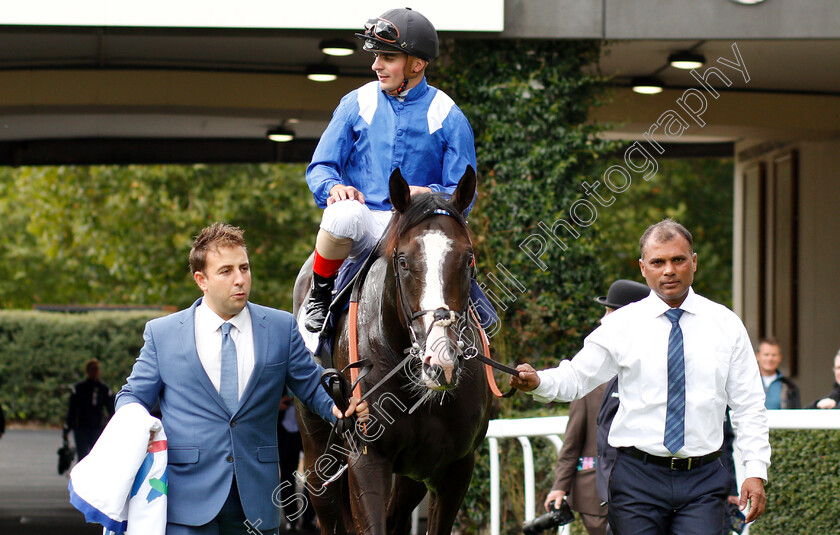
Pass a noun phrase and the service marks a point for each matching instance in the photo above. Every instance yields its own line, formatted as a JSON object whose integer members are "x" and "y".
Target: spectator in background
{"x": 91, "y": 405}
{"x": 833, "y": 398}
{"x": 780, "y": 392}
{"x": 577, "y": 461}
{"x": 2, "y": 421}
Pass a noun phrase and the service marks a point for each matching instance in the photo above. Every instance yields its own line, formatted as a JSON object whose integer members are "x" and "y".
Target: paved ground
{"x": 33, "y": 497}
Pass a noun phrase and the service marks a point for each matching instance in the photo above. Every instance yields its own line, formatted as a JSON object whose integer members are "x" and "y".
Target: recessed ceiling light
{"x": 322, "y": 73}
{"x": 748, "y": 2}
{"x": 686, "y": 60}
{"x": 647, "y": 86}
{"x": 337, "y": 47}
{"x": 280, "y": 134}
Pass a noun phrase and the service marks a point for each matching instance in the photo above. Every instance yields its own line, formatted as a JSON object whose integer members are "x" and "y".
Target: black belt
{"x": 674, "y": 463}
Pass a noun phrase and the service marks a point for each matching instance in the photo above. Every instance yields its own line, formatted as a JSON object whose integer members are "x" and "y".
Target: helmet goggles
{"x": 382, "y": 29}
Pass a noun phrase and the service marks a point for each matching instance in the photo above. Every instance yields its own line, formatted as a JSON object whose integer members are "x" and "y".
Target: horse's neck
{"x": 378, "y": 306}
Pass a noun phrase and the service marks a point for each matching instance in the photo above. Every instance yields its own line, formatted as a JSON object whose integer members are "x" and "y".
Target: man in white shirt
{"x": 680, "y": 360}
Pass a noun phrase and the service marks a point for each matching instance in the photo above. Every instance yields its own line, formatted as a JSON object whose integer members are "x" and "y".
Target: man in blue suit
{"x": 218, "y": 370}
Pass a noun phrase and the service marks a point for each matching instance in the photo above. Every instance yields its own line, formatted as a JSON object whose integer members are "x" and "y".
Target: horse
{"x": 429, "y": 402}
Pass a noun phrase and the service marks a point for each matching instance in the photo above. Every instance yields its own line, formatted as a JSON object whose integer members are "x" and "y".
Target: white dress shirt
{"x": 208, "y": 343}
{"x": 720, "y": 370}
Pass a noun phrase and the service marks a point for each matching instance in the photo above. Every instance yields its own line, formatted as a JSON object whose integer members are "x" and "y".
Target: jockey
{"x": 398, "y": 121}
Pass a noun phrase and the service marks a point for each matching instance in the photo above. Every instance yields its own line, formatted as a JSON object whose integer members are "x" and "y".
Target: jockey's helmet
{"x": 401, "y": 30}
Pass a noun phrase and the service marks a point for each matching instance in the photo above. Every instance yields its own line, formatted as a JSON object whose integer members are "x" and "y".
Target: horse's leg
{"x": 407, "y": 494}
{"x": 326, "y": 501}
{"x": 370, "y": 487}
{"x": 450, "y": 488}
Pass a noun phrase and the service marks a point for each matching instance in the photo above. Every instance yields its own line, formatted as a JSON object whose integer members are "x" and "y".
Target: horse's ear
{"x": 465, "y": 192}
{"x": 399, "y": 191}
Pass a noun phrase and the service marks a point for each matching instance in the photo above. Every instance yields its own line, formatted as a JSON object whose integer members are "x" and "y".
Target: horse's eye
{"x": 403, "y": 263}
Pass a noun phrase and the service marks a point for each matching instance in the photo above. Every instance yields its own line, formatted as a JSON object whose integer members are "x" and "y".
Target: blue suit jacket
{"x": 207, "y": 444}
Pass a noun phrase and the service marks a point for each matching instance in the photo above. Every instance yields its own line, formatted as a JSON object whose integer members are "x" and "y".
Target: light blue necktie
{"x": 675, "y": 415}
{"x": 229, "y": 384}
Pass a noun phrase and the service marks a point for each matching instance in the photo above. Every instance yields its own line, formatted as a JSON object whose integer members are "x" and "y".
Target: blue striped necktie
{"x": 229, "y": 384}
{"x": 675, "y": 415}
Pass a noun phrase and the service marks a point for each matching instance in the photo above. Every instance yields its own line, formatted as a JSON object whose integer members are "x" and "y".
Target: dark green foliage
{"x": 43, "y": 354}
{"x": 121, "y": 235}
{"x": 804, "y": 483}
{"x": 528, "y": 102}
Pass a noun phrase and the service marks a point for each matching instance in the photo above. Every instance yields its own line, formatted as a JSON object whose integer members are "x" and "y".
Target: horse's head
{"x": 432, "y": 260}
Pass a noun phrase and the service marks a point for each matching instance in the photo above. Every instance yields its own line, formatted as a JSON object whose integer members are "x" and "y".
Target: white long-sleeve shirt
{"x": 720, "y": 370}
{"x": 208, "y": 344}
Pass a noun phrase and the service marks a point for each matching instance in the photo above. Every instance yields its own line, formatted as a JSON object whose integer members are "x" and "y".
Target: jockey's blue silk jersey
{"x": 371, "y": 133}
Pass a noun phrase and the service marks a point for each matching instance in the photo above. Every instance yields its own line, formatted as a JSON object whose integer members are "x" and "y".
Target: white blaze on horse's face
{"x": 434, "y": 246}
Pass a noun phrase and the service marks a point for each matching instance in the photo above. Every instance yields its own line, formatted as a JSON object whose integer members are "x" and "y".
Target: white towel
{"x": 119, "y": 484}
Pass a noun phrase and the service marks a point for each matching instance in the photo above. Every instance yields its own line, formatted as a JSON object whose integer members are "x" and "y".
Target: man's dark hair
{"x": 664, "y": 231}
{"x": 212, "y": 238}
{"x": 770, "y": 341}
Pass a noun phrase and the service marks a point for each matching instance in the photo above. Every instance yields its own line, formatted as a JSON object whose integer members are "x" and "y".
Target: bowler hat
{"x": 623, "y": 292}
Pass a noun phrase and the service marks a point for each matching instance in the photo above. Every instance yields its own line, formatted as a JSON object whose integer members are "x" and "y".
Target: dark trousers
{"x": 229, "y": 521}
{"x": 648, "y": 499}
{"x": 85, "y": 438}
{"x": 294, "y": 507}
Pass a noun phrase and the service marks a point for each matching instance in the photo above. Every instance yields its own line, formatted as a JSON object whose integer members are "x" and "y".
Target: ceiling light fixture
{"x": 647, "y": 86}
{"x": 686, "y": 60}
{"x": 322, "y": 73}
{"x": 337, "y": 47}
{"x": 748, "y": 2}
{"x": 280, "y": 134}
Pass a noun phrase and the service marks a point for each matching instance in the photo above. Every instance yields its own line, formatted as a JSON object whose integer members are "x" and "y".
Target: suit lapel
{"x": 259, "y": 329}
{"x": 190, "y": 353}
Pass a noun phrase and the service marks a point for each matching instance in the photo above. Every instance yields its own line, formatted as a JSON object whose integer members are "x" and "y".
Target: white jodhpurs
{"x": 354, "y": 220}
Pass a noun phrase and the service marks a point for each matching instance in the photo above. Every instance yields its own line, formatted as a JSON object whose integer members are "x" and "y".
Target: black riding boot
{"x": 320, "y": 297}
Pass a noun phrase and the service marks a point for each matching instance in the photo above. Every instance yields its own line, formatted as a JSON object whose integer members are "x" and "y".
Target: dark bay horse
{"x": 429, "y": 402}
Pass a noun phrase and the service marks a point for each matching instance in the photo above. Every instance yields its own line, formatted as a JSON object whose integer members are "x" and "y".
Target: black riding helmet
{"x": 401, "y": 30}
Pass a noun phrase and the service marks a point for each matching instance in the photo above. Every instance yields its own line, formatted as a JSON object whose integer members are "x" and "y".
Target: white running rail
{"x": 553, "y": 428}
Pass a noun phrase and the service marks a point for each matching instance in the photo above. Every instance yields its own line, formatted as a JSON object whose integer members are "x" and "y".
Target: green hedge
{"x": 804, "y": 483}
{"x": 42, "y": 354}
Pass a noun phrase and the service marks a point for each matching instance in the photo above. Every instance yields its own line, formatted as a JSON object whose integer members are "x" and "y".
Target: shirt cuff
{"x": 755, "y": 469}
{"x": 330, "y": 184}
{"x": 543, "y": 393}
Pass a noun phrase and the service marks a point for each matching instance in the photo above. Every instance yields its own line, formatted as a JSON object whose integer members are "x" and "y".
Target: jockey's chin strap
{"x": 407, "y": 77}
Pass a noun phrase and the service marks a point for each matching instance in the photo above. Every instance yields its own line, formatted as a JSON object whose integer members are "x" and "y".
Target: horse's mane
{"x": 422, "y": 207}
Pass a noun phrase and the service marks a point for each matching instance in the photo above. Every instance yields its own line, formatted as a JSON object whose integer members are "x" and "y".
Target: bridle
{"x": 446, "y": 318}
{"x": 442, "y": 316}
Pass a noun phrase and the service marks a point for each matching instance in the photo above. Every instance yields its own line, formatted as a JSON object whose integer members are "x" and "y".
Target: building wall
{"x": 810, "y": 246}
{"x": 819, "y": 250}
